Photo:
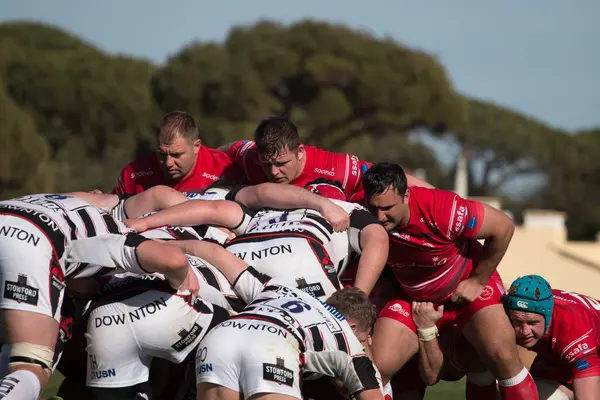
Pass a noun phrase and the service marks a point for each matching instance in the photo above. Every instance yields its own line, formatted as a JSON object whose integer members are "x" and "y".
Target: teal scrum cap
{"x": 531, "y": 293}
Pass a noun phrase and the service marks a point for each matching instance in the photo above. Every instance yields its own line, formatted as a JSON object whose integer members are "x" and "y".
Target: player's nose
{"x": 524, "y": 330}
{"x": 274, "y": 170}
{"x": 169, "y": 161}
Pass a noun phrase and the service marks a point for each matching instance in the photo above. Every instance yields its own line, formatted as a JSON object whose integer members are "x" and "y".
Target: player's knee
{"x": 505, "y": 354}
{"x": 34, "y": 357}
{"x": 29, "y": 366}
{"x": 505, "y": 361}
{"x": 177, "y": 259}
{"x": 391, "y": 354}
{"x": 209, "y": 391}
{"x": 551, "y": 390}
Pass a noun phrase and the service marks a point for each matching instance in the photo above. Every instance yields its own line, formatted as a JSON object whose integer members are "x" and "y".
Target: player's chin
{"x": 527, "y": 343}
{"x": 173, "y": 176}
{"x": 388, "y": 226}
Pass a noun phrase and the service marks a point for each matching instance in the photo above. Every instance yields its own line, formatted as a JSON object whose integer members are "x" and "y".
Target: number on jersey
{"x": 585, "y": 300}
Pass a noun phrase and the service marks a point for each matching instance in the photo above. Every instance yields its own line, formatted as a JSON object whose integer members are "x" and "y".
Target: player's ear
{"x": 353, "y": 326}
{"x": 406, "y": 196}
{"x": 301, "y": 152}
{"x": 197, "y": 145}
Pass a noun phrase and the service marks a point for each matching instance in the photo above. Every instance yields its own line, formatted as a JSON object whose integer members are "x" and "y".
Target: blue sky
{"x": 540, "y": 57}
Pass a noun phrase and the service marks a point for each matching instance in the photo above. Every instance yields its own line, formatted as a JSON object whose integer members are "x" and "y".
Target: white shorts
{"x": 31, "y": 276}
{"x": 250, "y": 357}
{"x": 297, "y": 261}
{"x": 125, "y": 334}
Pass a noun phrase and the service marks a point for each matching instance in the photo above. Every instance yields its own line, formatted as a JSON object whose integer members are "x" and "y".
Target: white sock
{"x": 20, "y": 385}
{"x": 515, "y": 380}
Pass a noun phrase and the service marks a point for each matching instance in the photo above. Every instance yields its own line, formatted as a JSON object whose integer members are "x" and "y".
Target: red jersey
{"x": 569, "y": 348}
{"x": 344, "y": 168}
{"x": 145, "y": 172}
{"x": 436, "y": 249}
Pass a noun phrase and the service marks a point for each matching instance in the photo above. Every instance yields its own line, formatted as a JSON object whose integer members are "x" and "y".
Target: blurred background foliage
{"x": 71, "y": 116}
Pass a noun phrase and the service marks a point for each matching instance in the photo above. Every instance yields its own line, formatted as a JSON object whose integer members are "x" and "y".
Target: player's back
{"x": 319, "y": 326}
{"x": 301, "y": 220}
{"x": 576, "y": 324}
{"x": 63, "y": 218}
{"x": 327, "y": 342}
{"x": 343, "y": 168}
{"x": 299, "y": 247}
{"x": 293, "y": 221}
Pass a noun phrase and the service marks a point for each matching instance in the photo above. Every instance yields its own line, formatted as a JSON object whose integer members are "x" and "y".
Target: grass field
{"x": 441, "y": 391}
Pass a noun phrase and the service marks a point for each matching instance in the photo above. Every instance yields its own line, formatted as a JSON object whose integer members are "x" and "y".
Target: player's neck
{"x": 301, "y": 166}
{"x": 405, "y": 220}
{"x": 191, "y": 171}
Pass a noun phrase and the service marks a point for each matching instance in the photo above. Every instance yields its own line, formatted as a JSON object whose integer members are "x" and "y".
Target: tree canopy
{"x": 73, "y": 116}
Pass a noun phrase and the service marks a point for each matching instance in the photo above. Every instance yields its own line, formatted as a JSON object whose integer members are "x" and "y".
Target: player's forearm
{"x": 100, "y": 200}
{"x": 412, "y": 180}
{"x": 494, "y": 249}
{"x": 198, "y": 212}
{"x": 431, "y": 360}
{"x": 230, "y": 265}
{"x": 587, "y": 388}
{"x": 165, "y": 259}
{"x": 279, "y": 196}
{"x": 154, "y": 199}
{"x": 374, "y": 243}
{"x": 122, "y": 184}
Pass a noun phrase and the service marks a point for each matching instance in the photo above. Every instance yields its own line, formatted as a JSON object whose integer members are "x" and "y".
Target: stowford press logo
{"x": 278, "y": 373}
{"x": 20, "y": 291}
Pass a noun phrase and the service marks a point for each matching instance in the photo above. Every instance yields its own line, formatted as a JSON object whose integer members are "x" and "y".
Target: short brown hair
{"x": 274, "y": 134}
{"x": 177, "y": 123}
{"x": 354, "y": 304}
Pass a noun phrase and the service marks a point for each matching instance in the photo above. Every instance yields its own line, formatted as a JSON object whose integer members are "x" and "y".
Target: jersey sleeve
{"x": 578, "y": 349}
{"x": 237, "y": 153}
{"x": 225, "y": 168}
{"x": 355, "y": 168}
{"x": 115, "y": 251}
{"x": 250, "y": 284}
{"x": 238, "y": 150}
{"x": 124, "y": 184}
{"x": 455, "y": 217}
{"x": 360, "y": 218}
{"x": 351, "y": 366}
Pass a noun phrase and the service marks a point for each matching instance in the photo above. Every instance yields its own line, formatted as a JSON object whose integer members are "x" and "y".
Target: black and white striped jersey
{"x": 340, "y": 246}
{"x": 326, "y": 339}
{"x": 79, "y": 233}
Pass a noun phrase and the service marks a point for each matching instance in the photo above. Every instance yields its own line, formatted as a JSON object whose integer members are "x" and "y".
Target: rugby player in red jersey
{"x": 278, "y": 155}
{"x": 180, "y": 161}
{"x": 436, "y": 257}
{"x": 563, "y": 328}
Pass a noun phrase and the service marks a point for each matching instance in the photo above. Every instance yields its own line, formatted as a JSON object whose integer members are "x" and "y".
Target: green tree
{"x": 503, "y": 144}
{"x": 573, "y": 185}
{"x": 93, "y": 109}
{"x": 24, "y": 154}
{"x": 336, "y": 83}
